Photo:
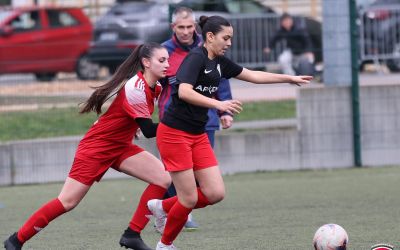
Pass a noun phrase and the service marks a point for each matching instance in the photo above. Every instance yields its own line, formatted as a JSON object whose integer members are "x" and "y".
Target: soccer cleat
{"x": 190, "y": 224}
{"x": 132, "y": 240}
{"x": 162, "y": 246}
{"x": 155, "y": 206}
{"x": 12, "y": 243}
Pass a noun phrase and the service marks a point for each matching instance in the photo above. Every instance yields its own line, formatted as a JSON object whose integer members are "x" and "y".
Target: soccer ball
{"x": 330, "y": 237}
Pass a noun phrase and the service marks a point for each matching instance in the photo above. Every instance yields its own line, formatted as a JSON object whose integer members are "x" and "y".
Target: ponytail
{"x": 202, "y": 21}
{"x": 126, "y": 70}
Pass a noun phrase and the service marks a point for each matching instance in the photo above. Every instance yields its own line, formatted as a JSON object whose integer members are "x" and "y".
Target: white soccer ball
{"x": 330, "y": 237}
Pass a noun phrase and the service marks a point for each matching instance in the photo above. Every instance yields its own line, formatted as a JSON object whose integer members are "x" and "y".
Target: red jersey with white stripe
{"x": 115, "y": 129}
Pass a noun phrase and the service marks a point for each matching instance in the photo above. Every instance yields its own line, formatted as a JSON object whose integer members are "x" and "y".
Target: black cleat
{"x": 132, "y": 240}
{"x": 12, "y": 243}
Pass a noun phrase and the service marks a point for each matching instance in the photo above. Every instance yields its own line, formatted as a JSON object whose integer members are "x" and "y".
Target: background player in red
{"x": 108, "y": 143}
{"x": 184, "y": 147}
{"x": 185, "y": 38}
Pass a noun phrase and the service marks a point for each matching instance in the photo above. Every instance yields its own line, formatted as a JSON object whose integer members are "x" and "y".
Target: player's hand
{"x": 230, "y": 106}
{"x": 226, "y": 121}
{"x": 300, "y": 80}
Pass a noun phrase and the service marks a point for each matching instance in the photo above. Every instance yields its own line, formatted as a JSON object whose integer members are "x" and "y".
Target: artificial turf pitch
{"x": 273, "y": 210}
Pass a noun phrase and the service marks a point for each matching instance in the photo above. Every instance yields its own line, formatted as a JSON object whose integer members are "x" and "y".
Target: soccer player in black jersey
{"x": 184, "y": 147}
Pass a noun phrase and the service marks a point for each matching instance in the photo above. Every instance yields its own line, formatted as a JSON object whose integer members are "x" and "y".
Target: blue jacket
{"x": 177, "y": 53}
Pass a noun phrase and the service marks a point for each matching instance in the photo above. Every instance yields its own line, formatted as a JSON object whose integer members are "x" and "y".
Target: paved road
{"x": 67, "y": 84}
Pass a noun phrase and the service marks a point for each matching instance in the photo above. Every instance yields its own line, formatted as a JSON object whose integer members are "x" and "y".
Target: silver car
{"x": 125, "y": 26}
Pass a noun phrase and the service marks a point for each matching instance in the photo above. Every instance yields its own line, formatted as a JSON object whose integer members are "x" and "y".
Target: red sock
{"x": 176, "y": 219}
{"x": 40, "y": 219}
{"x": 202, "y": 201}
{"x": 167, "y": 204}
{"x": 142, "y": 213}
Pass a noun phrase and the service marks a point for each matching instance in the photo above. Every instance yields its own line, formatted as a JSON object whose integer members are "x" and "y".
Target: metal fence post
{"x": 355, "y": 86}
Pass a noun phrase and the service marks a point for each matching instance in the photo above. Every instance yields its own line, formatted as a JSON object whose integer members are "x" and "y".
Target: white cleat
{"x": 155, "y": 206}
{"x": 161, "y": 246}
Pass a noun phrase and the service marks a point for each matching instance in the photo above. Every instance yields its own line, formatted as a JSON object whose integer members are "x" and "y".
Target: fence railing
{"x": 251, "y": 35}
{"x": 380, "y": 33}
{"x": 379, "y": 37}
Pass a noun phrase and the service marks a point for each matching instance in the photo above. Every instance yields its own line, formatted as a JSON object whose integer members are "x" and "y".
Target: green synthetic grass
{"x": 53, "y": 122}
{"x": 43, "y": 123}
{"x": 277, "y": 210}
{"x": 267, "y": 110}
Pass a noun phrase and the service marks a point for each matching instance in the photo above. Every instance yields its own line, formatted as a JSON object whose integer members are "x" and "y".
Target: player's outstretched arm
{"x": 261, "y": 77}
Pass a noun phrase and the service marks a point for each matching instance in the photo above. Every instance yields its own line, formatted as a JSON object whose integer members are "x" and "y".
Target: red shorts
{"x": 87, "y": 170}
{"x": 180, "y": 150}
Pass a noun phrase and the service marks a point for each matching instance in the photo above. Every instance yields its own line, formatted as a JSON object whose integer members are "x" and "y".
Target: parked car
{"x": 44, "y": 41}
{"x": 128, "y": 24}
{"x": 380, "y": 20}
{"x": 125, "y": 26}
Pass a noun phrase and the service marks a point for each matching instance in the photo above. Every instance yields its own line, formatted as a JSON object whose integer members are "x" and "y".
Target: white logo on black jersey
{"x": 210, "y": 89}
{"x": 219, "y": 69}
{"x": 207, "y": 71}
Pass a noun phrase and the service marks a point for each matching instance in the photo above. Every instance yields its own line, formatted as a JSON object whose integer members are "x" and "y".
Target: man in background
{"x": 298, "y": 56}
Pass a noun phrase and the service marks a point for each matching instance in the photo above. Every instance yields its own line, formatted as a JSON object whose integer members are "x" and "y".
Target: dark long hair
{"x": 126, "y": 70}
{"x": 212, "y": 24}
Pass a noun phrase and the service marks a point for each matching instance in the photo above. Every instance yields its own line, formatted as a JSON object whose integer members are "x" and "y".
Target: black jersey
{"x": 204, "y": 74}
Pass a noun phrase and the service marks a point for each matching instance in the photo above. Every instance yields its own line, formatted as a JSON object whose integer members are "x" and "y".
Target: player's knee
{"x": 188, "y": 201}
{"x": 69, "y": 204}
{"x": 216, "y": 196}
{"x": 188, "y": 198}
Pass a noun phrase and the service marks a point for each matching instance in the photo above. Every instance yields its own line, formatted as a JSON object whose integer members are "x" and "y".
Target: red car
{"x": 44, "y": 41}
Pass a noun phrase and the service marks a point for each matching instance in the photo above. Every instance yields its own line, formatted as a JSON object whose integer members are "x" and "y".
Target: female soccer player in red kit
{"x": 108, "y": 143}
{"x": 181, "y": 138}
